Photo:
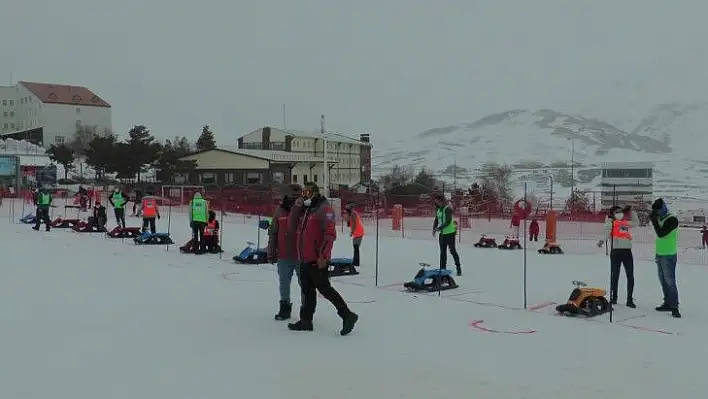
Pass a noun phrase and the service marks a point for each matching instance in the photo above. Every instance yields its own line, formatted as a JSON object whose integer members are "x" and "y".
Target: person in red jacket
{"x": 534, "y": 229}
{"x": 704, "y": 236}
{"x": 515, "y": 224}
{"x": 317, "y": 232}
{"x": 282, "y": 249}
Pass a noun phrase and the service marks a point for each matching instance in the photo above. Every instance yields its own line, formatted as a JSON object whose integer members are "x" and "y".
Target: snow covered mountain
{"x": 539, "y": 143}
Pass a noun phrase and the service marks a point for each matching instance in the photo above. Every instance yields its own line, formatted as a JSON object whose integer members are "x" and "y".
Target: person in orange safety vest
{"x": 618, "y": 230}
{"x": 356, "y": 231}
{"x": 211, "y": 234}
{"x": 150, "y": 212}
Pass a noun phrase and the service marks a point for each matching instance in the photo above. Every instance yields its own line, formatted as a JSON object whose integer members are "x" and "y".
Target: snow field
{"x": 86, "y": 317}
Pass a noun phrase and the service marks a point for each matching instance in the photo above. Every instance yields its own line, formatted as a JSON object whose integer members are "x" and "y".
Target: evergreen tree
{"x": 206, "y": 140}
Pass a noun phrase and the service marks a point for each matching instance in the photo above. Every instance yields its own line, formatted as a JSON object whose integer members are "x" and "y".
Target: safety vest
{"x": 211, "y": 229}
{"x": 44, "y": 199}
{"x": 118, "y": 200}
{"x": 149, "y": 208}
{"x": 358, "y": 228}
{"x": 451, "y": 228}
{"x": 668, "y": 244}
{"x": 199, "y": 210}
{"x": 620, "y": 230}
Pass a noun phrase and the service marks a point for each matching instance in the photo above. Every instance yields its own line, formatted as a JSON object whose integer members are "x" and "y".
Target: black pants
{"x": 211, "y": 243}
{"x": 198, "y": 233}
{"x": 533, "y": 237}
{"x": 313, "y": 279}
{"x": 42, "y": 215}
{"x": 149, "y": 223}
{"x": 356, "y": 243}
{"x": 98, "y": 222}
{"x": 448, "y": 241}
{"x": 619, "y": 257}
{"x": 120, "y": 216}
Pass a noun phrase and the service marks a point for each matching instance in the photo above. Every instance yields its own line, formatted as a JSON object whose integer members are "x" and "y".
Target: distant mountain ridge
{"x": 669, "y": 135}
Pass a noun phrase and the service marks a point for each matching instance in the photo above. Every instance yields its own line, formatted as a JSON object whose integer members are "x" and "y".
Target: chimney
{"x": 289, "y": 143}
{"x": 240, "y": 143}
{"x": 265, "y": 138}
{"x": 364, "y": 138}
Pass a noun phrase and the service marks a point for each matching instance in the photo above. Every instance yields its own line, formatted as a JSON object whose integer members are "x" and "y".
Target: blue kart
{"x": 431, "y": 280}
{"x": 342, "y": 267}
{"x": 29, "y": 219}
{"x": 148, "y": 238}
{"x": 252, "y": 255}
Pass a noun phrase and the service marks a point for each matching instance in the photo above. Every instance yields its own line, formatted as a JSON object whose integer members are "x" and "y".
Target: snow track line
{"x": 477, "y": 325}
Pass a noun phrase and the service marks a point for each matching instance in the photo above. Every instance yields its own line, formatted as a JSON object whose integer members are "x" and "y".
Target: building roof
{"x": 65, "y": 94}
{"x": 272, "y": 155}
{"x": 340, "y": 138}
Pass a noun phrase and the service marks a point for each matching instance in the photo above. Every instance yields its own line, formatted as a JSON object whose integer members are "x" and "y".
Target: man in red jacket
{"x": 317, "y": 232}
{"x": 282, "y": 248}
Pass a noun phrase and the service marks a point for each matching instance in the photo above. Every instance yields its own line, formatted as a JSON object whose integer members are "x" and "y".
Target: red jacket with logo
{"x": 282, "y": 240}
{"x": 317, "y": 230}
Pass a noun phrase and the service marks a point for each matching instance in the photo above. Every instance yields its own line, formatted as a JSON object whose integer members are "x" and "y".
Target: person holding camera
{"x": 619, "y": 231}
{"x": 666, "y": 227}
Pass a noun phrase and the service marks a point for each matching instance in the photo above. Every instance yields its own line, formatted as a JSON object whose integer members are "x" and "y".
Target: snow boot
{"x": 675, "y": 313}
{"x": 285, "y": 311}
{"x": 348, "y": 322}
{"x": 663, "y": 308}
{"x": 630, "y": 303}
{"x": 301, "y": 325}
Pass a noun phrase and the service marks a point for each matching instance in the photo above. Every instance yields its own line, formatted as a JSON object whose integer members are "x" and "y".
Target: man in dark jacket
{"x": 316, "y": 235}
{"x": 445, "y": 226}
{"x": 99, "y": 217}
{"x": 282, "y": 249}
{"x": 666, "y": 227}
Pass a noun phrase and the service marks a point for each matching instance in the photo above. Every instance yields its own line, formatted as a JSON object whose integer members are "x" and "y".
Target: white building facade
{"x": 57, "y": 109}
{"x": 348, "y": 159}
{"x": 627, "y": 183}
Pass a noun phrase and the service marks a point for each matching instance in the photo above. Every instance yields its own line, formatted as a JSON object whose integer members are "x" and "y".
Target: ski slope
{"x": 87, "y": 317}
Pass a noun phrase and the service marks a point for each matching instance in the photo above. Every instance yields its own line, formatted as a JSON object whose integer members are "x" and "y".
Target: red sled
{"x": 85, "y": 227}
{"x": 60, "y": 223}
{"x": 127, "y": 232}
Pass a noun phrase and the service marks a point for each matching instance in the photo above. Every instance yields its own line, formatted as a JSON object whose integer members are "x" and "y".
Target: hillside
{"x": 669, "y": 135}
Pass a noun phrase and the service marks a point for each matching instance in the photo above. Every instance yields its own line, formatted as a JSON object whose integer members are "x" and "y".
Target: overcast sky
{"x": 389, "y": 67}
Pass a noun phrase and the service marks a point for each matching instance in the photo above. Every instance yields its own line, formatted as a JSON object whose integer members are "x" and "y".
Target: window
{"x": 253, "y": 146}
{"x": 5, "y": 126}
{"x": 315, "y": 178}
{"x": 229, "y": 177}
{"x": 4, "y": 102}
{"x": 207, "y": 178}
{"x": 5, "y": 114}
{"x": 59, "y": 139}
{"x": 78, "y": 122}
{"x": 22, "y": 100}
{"x": 78, "y": 110}
{"x": 294, "y": 178}
{"x": 277, "y": 146}
{"x": 12, "y": 114}
{"x": 12, "y": 125}
{"x": 12, "y": 103}
{"x": 254, "y": 178}
{"x": 279, "y": 177}
{"x": 304, "y": 178}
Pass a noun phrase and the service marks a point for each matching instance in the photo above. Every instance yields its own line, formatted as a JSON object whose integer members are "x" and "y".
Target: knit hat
{"x": 197, "y": 195}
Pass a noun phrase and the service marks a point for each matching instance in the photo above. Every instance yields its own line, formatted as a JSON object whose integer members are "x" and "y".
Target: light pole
{"x": 550, "y": 177}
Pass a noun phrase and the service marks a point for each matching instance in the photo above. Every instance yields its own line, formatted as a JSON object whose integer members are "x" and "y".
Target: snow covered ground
{"x": 88, "y": 317}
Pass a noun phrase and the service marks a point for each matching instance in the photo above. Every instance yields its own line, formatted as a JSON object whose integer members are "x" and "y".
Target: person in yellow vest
{"x": 666, "y": 227}
{"x": 198, "y": 216}
{"x": 356, "y": 231}
{"x": 619, "y": 230}
{"x": 150, "y": 211}
{"x": 446, "y": 229}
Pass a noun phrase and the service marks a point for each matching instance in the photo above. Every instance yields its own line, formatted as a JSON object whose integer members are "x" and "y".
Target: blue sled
{"x": 342, "y": 267}
{"x": 29, "y": 219}
{"x": 264, "y": 224}
{"x": 431, "y": 280}
{"x": 148, "y": 238}
{"x": 252, "y": 255}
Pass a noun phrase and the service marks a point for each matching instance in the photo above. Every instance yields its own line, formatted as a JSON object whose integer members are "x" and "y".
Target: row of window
{"x": 20, "y": 125}
{"x": 6, "y": 103}
{"x": 333, "y": 176}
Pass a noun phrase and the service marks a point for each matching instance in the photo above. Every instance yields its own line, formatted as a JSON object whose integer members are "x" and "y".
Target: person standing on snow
{"x": 356, "y": 232}
{"x": 150, "y": 211}
{"x": 534, "y": 230}
{"x": 118, "y": 200}
{"x": 316, "y": 235}
{"x": 666, "y": 227}
{"x": 198, "y": 215}
{"x": 704, "y": 236}
{"x": 619, "y": 231}
{"x": 282, "y": 249}
{"x": 446, "y": 228}
{"x": 43, "y": 201}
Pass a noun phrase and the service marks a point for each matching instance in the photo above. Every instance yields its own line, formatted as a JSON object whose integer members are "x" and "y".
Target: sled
{"x": 128, "y": 232}
{"x": 190, "y": 247}
{"x": 60, "y": 223}
{"x": 29, "y": 219}
{"x": 84, "y": 227}
{"x": 431, "y": 280}
{"x": 510, "y": 243}
{"x": 148, "y": 238}
{"x": 588, "y": 302}
{"x": 551, "y": 248}
{"x": 252, "y": 255}
{"x": 486, "y": 242}
{"x": 342, "y": 267}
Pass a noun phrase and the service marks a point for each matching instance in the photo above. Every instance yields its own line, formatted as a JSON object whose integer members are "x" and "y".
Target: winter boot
{"x": 301, "y": 325}
{"x": 675, "y": 313}
{"x": 630, "y": 303}
{"x": 348, "y": 322}
{"x": 35, "y": 228}
{"x": 663, "y": 308}
{"x": 459, "y": 270}
{"x": 285, "y": 311}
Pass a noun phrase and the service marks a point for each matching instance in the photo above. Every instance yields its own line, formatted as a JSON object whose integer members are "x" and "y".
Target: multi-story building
{"x": 349, "y": 159}
{"x": 50, "y": 112}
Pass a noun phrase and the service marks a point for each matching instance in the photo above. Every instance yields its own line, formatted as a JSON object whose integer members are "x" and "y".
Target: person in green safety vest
{"x": 43, "y": 202}
{"x": 446, "y": 227}
{"x": 198, "y": 215}
{"x": 118, "y": 199}
{"x": 666, "y": 227}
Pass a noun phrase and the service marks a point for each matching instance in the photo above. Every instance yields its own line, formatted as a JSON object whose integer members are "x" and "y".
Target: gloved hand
{"x": 600, "y": 243}
{"x": 322, "y": 263}
{"x": 158, "y": 216}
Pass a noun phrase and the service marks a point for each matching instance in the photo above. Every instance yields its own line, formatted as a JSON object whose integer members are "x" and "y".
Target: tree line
{"x": 132, "y": 157}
